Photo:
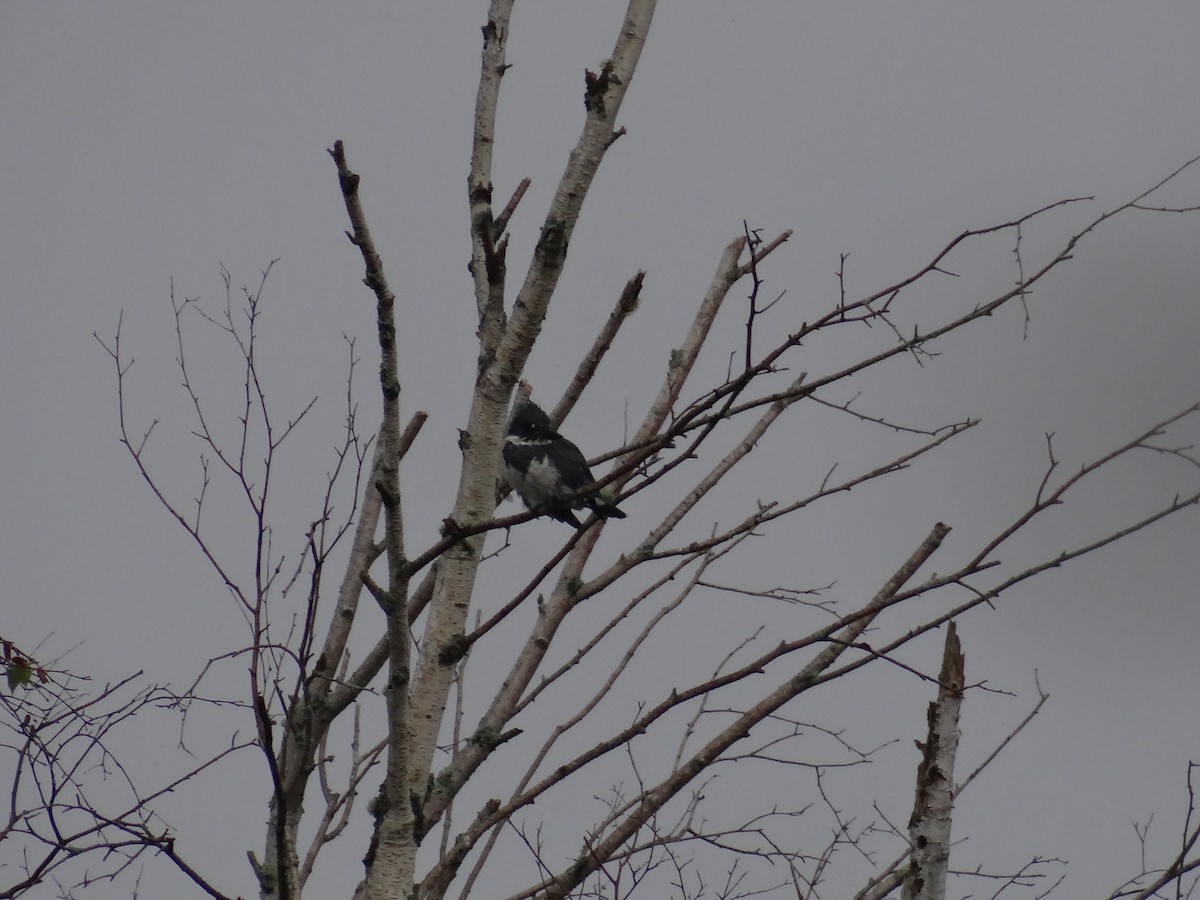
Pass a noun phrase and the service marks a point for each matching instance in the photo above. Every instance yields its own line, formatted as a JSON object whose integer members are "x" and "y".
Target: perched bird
{"x": 544, "y": 468}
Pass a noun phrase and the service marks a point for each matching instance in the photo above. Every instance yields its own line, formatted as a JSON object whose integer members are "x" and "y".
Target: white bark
{"x": 929, "y": 827}
{"x": 504, "y": 347}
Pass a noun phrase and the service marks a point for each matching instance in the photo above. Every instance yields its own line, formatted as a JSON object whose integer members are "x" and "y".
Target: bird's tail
{"x": 604, "y": 509}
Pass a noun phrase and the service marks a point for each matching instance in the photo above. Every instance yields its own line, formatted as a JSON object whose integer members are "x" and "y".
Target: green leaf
{"x": 20, "y": 672}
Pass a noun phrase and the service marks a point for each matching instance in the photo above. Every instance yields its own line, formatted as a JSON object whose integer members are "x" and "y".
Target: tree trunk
{"x": 929, "y": 827}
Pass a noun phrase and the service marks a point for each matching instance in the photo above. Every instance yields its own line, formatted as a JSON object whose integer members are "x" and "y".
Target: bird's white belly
{"x": 539, "y": 486}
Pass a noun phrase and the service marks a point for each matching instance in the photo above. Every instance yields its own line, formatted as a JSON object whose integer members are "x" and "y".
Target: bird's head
{"x": 528, "y": 420}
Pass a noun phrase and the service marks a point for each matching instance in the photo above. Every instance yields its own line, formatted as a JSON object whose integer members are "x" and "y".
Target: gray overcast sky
{"x": 149, "y": 142}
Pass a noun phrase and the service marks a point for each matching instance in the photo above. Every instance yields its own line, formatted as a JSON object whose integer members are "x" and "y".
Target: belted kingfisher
{"x": 544, "y": 468}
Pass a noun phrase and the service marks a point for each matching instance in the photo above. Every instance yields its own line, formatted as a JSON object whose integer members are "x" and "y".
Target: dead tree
{"x": 398, "y": 639}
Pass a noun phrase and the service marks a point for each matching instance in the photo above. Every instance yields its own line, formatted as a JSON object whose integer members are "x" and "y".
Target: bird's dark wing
{"x": 576, "y": 474}
{"x": 571, "y": 463}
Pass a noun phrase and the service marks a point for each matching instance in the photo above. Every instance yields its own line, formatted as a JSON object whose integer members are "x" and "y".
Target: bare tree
{"x": 1175, "y": 876}
{"x": 486, "y": 785}
{"x": 69, "y": 794}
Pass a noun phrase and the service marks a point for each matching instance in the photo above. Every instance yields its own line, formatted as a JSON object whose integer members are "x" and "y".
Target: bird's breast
{"x": 529, "y": 472}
